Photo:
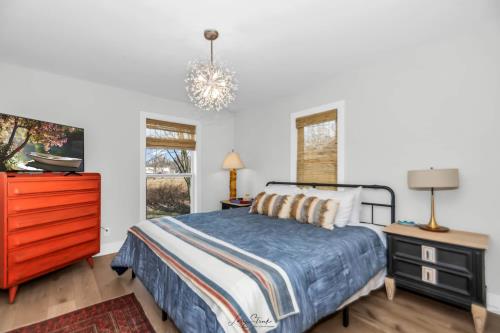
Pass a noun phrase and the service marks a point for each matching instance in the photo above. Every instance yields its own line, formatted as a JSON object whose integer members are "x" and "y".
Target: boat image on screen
{"x": 56, "y": 160}
{"x": 34, "y": 145}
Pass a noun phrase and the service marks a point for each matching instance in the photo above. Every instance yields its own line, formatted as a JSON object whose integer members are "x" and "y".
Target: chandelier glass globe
{"x": 210, "y": 86}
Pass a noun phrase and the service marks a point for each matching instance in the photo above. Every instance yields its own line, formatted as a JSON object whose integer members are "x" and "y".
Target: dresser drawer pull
{"x": 429, "y": 275}
{"x": 428, "y": 254}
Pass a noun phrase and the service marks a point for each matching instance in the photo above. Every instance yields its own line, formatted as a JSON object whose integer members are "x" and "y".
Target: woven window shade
{"x": 317, "y": 148}
{"x": 168, "y": 135}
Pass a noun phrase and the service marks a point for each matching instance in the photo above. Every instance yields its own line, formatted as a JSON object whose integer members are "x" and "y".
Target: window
{"x": 169, "y": 156}
{"x": 317, "y": 147}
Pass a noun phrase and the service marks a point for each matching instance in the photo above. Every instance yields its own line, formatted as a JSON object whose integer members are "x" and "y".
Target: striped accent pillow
{"x": 257, "y": 202}
{"x": 282, "y": 206}
{"x": 314, "y": 211}
{"x": 304, "y": 209}
{"x": 272, "y": 204}
{"x": 323, "y": 212}
{"x": 296, "y": 208}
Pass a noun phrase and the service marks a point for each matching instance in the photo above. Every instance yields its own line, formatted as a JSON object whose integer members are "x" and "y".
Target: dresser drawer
{"x": 406, "y": 248}
{"x": 440, "y": 278}
{"x": 31, "y": 268}
{"x": 456, "y": 258}
{"x": 443, "y": 255}
{"x": 407, "y": 269}
{"x": 21, "y": 204}
{"x": 40, "y": 218}
{"x": 32, "y": 235}
{"x": 53, "y": 245}
{"x": 36, "y": 187}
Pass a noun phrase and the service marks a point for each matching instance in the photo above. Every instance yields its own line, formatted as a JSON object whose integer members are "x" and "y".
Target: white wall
{"x": 437, "y": 105}
{"x": 110, "y": 117}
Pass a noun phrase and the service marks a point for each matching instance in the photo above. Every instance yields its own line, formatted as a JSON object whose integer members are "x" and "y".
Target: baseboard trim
{"x": 493, "y": 303}
{"x": 108, "y": 248}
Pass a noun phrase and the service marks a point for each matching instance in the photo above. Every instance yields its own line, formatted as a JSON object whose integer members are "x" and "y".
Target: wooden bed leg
{"x": 390, "y": 288}
{"x": 12, "y": 294}
{"x": 90, "y": 261}
{"x": 479, "y": 314}
{"x": 164, "y": 315}
{"x": 345, "y": 316}
{"x": 133, "y": 274}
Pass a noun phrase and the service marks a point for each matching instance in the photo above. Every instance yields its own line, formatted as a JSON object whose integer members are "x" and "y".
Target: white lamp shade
{"x": 232, "y": 161}
{"x": 439, "y": 179}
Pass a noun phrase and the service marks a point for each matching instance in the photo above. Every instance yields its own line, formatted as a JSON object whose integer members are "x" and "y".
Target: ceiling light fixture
{"x": 210, "y": 86}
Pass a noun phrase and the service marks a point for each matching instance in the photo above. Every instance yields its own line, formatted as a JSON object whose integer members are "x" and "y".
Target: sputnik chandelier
{"x": 210, "y": 86}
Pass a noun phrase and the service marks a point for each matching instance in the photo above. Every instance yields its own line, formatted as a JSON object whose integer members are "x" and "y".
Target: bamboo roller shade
{"x": 316, "y": 118}
{"x": 317, "y": 163}
{"x": 183, "y": 135}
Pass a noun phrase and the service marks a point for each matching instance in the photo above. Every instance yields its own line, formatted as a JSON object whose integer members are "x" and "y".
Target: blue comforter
{"x": 325, "y": 267}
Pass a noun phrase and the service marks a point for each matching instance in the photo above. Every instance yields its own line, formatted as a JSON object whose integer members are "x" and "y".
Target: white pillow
{"x": 346, "y": 203}
{"x": 356, "y": 209}
{"x": 283, "y": 189}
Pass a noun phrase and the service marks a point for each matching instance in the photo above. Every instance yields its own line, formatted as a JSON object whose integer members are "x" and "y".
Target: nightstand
{"x": 227, "y": 204}
{"x": 446, "y": 266}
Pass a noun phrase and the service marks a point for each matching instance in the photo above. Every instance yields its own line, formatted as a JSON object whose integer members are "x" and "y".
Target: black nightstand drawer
{"x": 455, "y": 258}
{"x": 407, "y": 247}
{"x": 406, "y": 269}
{"x": 450, "y": 281}
{"x": 447, "y": 256}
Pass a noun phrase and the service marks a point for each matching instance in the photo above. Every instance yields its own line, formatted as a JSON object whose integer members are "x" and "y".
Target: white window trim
{"x": 196, "y": 172}
{"x": 340, "y": 107}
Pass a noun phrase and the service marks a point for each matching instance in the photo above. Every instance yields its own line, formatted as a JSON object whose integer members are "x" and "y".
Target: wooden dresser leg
{"x": 390, "y": 288}
{"x": 90, "y": 260}
{"x": 479, "y": 314}
{"x": 12, "y": 294}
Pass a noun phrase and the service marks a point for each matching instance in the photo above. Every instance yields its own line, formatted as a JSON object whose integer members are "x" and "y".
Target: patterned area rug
{"x": 120, "y": 315}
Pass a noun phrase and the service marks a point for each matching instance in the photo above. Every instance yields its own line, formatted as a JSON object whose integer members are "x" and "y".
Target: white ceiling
{"x": 277, "y": 48}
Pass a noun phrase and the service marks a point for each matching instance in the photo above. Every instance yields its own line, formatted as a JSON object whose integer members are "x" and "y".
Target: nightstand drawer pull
{"x": 428, "y": 254}
{"x": 429, "y": 275}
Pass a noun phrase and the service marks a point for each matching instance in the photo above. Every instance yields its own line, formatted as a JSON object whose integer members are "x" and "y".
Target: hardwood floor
{"x": 78, "y": 286}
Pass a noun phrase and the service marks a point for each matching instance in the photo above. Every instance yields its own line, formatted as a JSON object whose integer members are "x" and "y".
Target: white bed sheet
{"x": 378, "y": 280}
{"x": 374, "y": 283}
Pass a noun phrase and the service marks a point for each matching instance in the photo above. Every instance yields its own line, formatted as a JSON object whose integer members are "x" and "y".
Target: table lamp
{"x": 433, "y": 179}
{"x": 232, "y": 162}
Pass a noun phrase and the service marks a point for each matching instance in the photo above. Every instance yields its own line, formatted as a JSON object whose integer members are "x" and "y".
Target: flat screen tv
{"x": 31, "y": 145}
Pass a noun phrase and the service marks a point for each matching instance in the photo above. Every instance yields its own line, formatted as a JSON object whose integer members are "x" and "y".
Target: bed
{"x": 324, "y": 270}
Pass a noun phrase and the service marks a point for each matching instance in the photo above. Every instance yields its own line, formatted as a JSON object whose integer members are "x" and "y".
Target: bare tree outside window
{"x": 170, "y": 195}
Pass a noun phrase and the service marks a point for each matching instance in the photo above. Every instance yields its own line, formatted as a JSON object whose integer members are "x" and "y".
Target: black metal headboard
{"x": 392, "y": 205}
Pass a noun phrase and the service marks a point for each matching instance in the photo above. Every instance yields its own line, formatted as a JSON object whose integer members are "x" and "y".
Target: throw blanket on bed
{"x": 237, "y": 285}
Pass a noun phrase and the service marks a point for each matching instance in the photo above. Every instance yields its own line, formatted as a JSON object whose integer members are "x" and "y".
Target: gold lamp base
{"x": 432, "y": 225}
{"x": 435, "y": 229}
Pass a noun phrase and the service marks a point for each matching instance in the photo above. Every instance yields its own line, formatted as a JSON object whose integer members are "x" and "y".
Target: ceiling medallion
{"x": 210, "y": 86}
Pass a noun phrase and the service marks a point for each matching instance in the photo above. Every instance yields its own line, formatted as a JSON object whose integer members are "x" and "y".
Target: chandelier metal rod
{"x": 212, "y": 52}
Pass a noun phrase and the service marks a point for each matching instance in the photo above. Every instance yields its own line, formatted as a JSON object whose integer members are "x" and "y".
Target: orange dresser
{"x": 47, "y": 221}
